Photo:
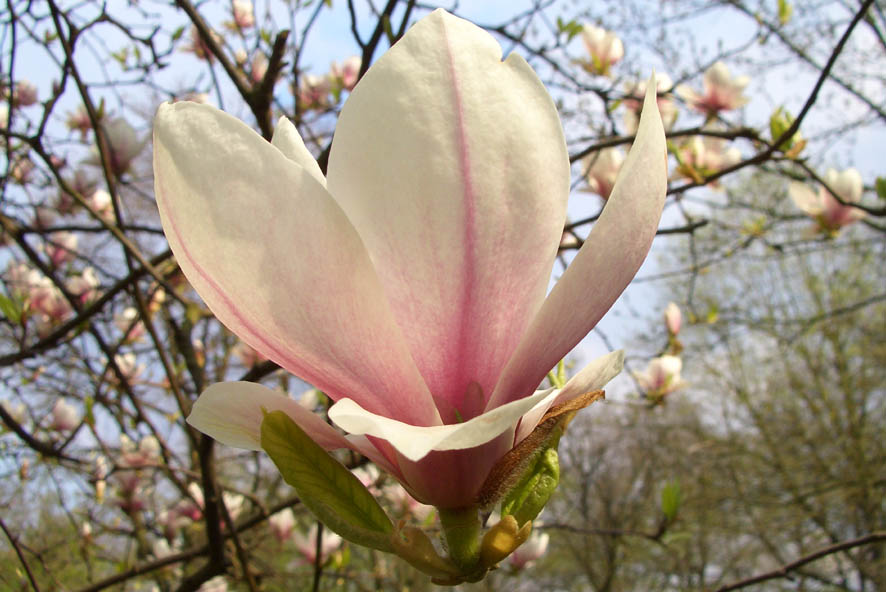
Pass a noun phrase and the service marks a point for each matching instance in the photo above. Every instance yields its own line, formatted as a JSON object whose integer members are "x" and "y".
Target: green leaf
{"x": 10, "y": 309}
{"x": 785, "y": 10}
{"x": 176, "y": 35}
{"x": 525, "y": 501}
{"x": 880, "y": 184}
{"x": 329, "y": 490}
{"x": 671, "y": 497}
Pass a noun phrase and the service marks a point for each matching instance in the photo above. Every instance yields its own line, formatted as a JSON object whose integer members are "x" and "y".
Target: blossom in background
{"x": 702, "y": 156}
{"x": 61, "y": 247}
{"x": 243, "y": 13}
{"x": 216, "y": 584}
{"x": 604, "y": 50}
{"x": 722, "y": 92}
{"x": 661, "y": 377}
{"x": 306, "y": 544}
{"x": 601, "y": 169}
{"x": 282, "y": 525}
{"x": 633, "y": 102}
{"x": 673, "y": 318}
{"x": 409, "y": 284}
{"x": 259, "y": 67}
{"x": 198, "y": 46}
{"x": 100, "y": 202}
{"x": 129, "y": 323}
{"x": 313, "y": 91}
{"x": 145, "y": 453}
{"x": 823, "y": 207}
{"x": 84, "y": 286}
{"x": 79, "y": 120}
{"x": 247, "y": 356}
{"x": 345, "y": 75}
{"x": 65, "y": 416}
{"x": 530, "y": 551}
{"x": 123, "y": 145}
{"x": 25, "y": 94}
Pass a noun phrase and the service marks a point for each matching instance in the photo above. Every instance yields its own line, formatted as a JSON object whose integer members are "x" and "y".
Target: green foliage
{"x": 528, "y": 498}
{"x": 329, "y": 490}
{"x": 570, "y": 28}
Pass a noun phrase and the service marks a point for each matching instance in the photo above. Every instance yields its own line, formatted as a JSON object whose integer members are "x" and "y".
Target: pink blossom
{"x": 84, "y": 286}
{"x": 830, "y": 214}
{"x": 146, "y": 453}
{"x": 123, "y": 146}
{"x": 259, "y": 67}
{"x": 242, "y": 11}
{"x": 410, "y": 283}
{"x": 661, "y": 377}
{"x": 705, "y": 155}
{"x": 601, "y": 170}
{"x": 604, "y": 49}
{"x": 313, "y": 91}
{"x": 722, "y": 92}
{"x": 307, "y": 544}
{"x": 65, "y": 416}
{"x": 673, "y": 318}
{"x": 25, "y": 94}
{"x": 79, "y": 120}
{"x": 282, "y": 525}
{"x": 247, "y": 356}
{"x": 346, "y": 74}
{"x": 129, "y": 323}
{"x": 61, "y": 247}
{"x": 100, "y": 202}
{"x": 199, "y": 47}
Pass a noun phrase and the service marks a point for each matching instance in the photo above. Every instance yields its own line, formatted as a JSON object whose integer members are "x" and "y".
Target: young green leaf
{"x": 670, "y": 500}
{"x": 525, "y": 501}
{"x": 329, "y": 490}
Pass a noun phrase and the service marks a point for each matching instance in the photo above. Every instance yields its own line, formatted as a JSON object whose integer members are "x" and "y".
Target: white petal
{"x": 277, "y": 261}
{"x": 605, "y": 265}
{"x": 415, "y": 442}
{"x": 289, "y": 142}
{"x": 592, "y": 377}
{"x": 231, "y": 412}
{"x": 452, "y": 165}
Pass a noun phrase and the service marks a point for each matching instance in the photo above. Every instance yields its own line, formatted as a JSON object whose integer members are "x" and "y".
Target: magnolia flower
{"x": 722, "y": 92}
{"x": 633, "y": 102}
{"x": 604, "y": 49}
{"x": 247, "y": 356}
{"x": 100, "y": 202}
{"x": 198, "y": 46}
{"x": 61, "y": 247}
{"x": 601, "y": 170}
{"x": 147, "y": 452}
{"x": 346, "y": 74}
{"x": 259, "y": 67}
{"x": 243, "y": 14}
{"x": 829, "y": 213}
{"x": 701, "y": 156}
{"x": 64, "y": 416}
{"x": 527, "y": 553}
{"x": 4, "y": 116}
{"x": 313, "y": 91}
{"x": 84, "y": 286}
{"x": 409, "y": 284}
{"x": 123, "y": 146}
{"x": 282, "y": 524}
{"x": 129, "y": 323}
{"x": 307, "y": 544}
{"x": 673, "y": 318}
{"x": 661, "y": 377}
{"x": 79, "y": 120}
{"x": 25, "y": 94}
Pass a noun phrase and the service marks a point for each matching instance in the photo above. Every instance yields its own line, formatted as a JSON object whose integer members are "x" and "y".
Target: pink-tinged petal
{"x": 289, "y": 142}
{"x": 415, "y": 442}
{"x": 452, "y": 165}
{"x": 231, "y": 412}
{"x": 276, "y": 260}
{"x": 591, "y": 378}
{"x": 805, "y": 198}
{"x": 603, "y": 267}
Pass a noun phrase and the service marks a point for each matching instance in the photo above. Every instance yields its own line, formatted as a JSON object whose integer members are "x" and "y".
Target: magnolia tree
{"x": 241, "y": 352}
